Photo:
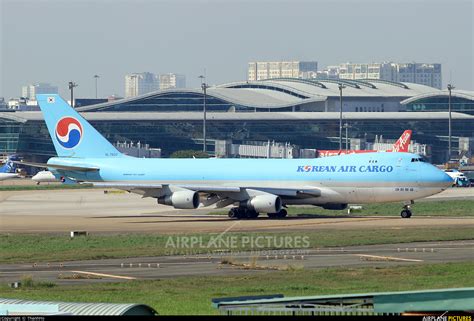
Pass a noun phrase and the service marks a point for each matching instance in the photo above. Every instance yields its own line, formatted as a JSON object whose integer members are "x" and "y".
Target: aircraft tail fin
{"x": 10, "y": 166}
{"x": 72, "y": 135}
{"x": 403, "y": 142}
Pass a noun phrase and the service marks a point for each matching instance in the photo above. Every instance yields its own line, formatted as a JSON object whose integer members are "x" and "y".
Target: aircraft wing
{"x": 209, "y": 195}
{"x": 131, "y": 186}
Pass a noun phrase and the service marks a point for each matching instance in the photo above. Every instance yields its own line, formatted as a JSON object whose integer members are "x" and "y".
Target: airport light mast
{"x": 341, "y": 87}
{"x": 204, "y": 87}
{"x": 72, "y": 85}
{"x": 96, "y": 79}
{"x": 347, "y": 126}
{"x": 450, "y": 87}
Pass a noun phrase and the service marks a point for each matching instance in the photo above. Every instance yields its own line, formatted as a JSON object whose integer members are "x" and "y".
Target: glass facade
{"x": 175, "y": 101}
{"x": 269, "y": 87}
{"x": 185, "y": 101}
{"x": 458, "y": 104}
{"x": 32, "y": 138}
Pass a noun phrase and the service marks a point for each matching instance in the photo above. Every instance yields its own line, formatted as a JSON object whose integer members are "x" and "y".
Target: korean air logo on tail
{"x": 68, "y": 132}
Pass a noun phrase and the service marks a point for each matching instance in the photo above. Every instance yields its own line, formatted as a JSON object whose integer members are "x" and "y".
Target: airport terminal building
{"x": 297, "y": 111}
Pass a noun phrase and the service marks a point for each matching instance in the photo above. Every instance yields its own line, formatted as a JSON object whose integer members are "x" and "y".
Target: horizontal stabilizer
{"x": 76, "y": 168}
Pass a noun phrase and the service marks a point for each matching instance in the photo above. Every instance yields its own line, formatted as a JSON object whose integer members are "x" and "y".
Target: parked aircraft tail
{"x": 10, "y": 166}
{"x": 403, "y": 142}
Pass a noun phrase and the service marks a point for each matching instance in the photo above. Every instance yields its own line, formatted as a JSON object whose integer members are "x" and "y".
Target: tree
{"x": 189, "y": 153}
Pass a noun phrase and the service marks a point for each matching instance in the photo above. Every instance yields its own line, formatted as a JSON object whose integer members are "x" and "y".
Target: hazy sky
{"x": 58, "y": 41}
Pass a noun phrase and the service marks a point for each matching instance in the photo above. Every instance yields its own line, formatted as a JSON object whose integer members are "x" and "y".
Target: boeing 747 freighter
{"x": 253, "y": 185}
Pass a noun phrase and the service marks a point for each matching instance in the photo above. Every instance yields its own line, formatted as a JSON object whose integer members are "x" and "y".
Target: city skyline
{"x": 175, "y": 83}
{"x": 207, "y": 39}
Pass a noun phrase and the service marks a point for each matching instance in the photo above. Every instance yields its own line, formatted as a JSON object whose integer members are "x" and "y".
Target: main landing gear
{"x": 245, "y": 213}
{"x": 242, "y": 212}
{"x": 281, "y": 214}
{"x": 406, "y": 212}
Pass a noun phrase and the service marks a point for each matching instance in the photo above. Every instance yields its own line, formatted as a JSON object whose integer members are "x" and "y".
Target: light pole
{"x": 72, "y": 85}
{"x": 204, "y": 87}
{"x": 450, "y": 87}
{"x": 96, "y": 78}
{"x": 341, "y": 87}
{"x": 347, "y": 126}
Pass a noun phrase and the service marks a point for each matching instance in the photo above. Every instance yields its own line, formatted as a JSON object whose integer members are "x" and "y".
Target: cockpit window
{"x": 418, "y": 159}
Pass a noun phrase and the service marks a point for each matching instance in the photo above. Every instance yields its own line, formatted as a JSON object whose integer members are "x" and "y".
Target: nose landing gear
{"x": 406, "y": 212}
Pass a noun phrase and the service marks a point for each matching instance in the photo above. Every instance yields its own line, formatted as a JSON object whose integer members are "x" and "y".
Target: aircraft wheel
{"x": 272, "y": 215}
{"x": 242, "y": 213}
{"x": 234, "y": 213}
{"x": 405, "y": 214}
{"x": 251, "y": 214}
{"x": 283, "y": 213}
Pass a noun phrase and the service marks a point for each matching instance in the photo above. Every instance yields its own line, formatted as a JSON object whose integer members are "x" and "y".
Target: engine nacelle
{"x": 181, "y": 200}
{"x": 44, "y": 177}
{"x": 264, "y": 204}
{"x": 336, "y": 207}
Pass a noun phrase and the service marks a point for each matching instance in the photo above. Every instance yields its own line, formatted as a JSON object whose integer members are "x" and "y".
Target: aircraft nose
{"x": 445, "y": 179}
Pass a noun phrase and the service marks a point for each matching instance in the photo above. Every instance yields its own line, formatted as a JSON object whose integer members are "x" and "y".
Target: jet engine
{"x": 264, "y": 204}
{"x": 181, "y": 199}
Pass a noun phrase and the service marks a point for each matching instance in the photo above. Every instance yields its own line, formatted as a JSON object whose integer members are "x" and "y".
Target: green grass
{"x": 43, "y": 187}
{"x": 28, "y": 282}
{"x": 424, "y": 208}
{"x": 19, "y": 248}
{"x": 192, "y": 295}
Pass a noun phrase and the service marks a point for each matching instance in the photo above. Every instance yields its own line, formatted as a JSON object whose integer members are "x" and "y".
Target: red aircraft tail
{"x": 403, "y": 142}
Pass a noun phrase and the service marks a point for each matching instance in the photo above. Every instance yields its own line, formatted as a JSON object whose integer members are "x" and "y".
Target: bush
{"x": 28, "y": 282}
{"x": 189, "y": 154}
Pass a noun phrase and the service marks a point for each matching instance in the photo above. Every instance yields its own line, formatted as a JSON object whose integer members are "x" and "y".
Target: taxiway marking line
{"x": 388, "y": 258}
{"x": 107, "y": 275}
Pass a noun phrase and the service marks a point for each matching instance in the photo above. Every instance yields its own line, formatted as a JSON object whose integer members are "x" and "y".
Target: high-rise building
{"x": 330, "y": 72}
{"x": 260, "y": 70}
{"x": 419, "y": 73}
{"x": 30, "y": 91}
{"x": 428, "y": 74}
{"x": 382, "y": 71}
{"x": 140, "y": 83}
{"x": 170, "y": 81}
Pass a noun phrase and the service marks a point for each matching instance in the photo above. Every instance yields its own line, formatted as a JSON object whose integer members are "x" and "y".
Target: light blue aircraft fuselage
{"x": 361, "y": 178}
{"x": 85, "y": 155}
